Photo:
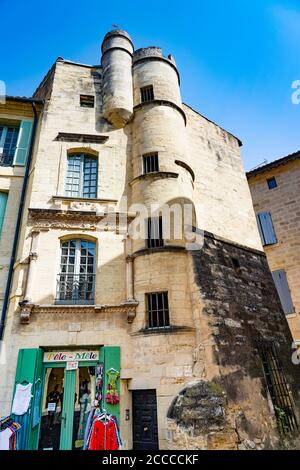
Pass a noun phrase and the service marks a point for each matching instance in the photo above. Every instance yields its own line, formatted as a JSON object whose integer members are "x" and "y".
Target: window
{"x": 236, "y": 265}
{"x": 3, "y": 202}
{"x": 76, "y": 280}
{"x": 147, "y": 94}
{"x": 281, "y": 283}
{"x": 82, "y": 176}
{"x": 87, "y": 101}
{"x": 155, "y": 232}
{"x": 158, "y": 310}
{"x": 150, "y": 163}
{"x": 8, "y": 144}
{"x": 266, "y": 228}
{"x": 272, "y": 183}
{"x": 277, "y": 386}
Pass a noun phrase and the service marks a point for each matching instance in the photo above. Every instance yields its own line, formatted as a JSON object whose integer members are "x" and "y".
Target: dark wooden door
{"x": 145, "y": 434}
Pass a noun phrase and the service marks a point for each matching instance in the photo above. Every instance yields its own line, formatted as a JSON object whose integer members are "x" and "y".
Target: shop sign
{"x": 72, "y": 365}
{"x": 71, "y": 356}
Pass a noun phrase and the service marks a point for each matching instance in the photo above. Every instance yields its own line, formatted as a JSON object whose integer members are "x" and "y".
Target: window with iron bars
{"x": 76, "y": 280}
{"x": 155, "y": 232}
{"x": 87, "y": 101}
{"x": 8, "y": 144}
{"x": 147, "y": 94}
{"x": 150, "y": 163}
{"x": 278, "y": 388}
{"x": 158, "y": 310}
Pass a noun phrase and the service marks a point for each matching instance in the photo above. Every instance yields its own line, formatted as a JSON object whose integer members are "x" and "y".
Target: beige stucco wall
{"x": 283, "y": 204}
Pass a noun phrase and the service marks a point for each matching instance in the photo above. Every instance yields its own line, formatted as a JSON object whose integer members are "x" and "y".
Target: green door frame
{"x": 67, "y": 418}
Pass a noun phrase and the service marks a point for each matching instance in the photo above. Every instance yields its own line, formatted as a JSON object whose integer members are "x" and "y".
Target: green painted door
{"x": 66, "y": 434}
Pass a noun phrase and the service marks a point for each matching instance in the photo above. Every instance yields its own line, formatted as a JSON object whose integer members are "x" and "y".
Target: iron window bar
{"x": 155, "y": 232}
{"x": 75, "y": 289}
{"x": 158, "y": 310}
{"x": 278, "y": 388}
{"x": 147, "y": 94}
{"x": 150, "y": 163}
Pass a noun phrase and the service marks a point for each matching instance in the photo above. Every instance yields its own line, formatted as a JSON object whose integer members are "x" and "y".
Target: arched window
{"x": 76, "y": 280}
{"x": 82, "y": 176}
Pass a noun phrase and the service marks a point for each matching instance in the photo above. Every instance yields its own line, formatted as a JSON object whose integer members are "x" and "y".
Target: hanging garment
{"x": 112, "y": 396}
{"x": 23, "y": 434}
{"x": 5, "y": 436}
{"x": 21, "y": 399}
{"x": 8, "y": 432}
{"x": 104, "y": 436}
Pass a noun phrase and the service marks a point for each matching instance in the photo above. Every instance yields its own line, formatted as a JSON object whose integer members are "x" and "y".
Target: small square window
{"x": 147, "y": 94}
{"x": 150, "y": 163}
{"x": 87, "y": 101}
{"x": 272, "y": 183}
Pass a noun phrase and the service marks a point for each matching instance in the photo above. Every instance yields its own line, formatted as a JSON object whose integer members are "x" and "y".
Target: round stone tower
{"x": 117, "y": 49}
{"x": 159, "y": 128}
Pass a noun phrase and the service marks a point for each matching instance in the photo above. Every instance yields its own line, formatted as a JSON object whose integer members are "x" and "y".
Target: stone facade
{"x": 283, "y": 204}
{"x": 215, "y": 312}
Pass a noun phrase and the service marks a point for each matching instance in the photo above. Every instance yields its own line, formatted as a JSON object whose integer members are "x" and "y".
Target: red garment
{"x": 103, "y": 436}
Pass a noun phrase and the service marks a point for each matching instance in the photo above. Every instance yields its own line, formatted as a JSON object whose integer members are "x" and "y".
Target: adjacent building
{"x": 275, "y": 190}
{"x": 140, "y": 276}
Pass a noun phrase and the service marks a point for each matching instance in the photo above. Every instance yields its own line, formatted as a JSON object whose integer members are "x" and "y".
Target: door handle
{"x": 146, "y": 429}
{"x": 64, "y": 418}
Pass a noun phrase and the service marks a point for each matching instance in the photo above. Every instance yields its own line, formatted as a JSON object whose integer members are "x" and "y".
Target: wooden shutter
{"x": 29, "y": 369}
{"x": 23, "y": 143}
{"x": 266, "y": 228}
{"x": 3, "y": 202}
{"x": 283, "y": 290}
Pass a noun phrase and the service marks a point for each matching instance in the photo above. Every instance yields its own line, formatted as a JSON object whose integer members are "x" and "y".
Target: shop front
{"x": 68, "y": 399}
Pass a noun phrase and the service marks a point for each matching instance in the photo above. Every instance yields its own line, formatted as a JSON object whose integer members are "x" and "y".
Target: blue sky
{"x": 237, "y": 58}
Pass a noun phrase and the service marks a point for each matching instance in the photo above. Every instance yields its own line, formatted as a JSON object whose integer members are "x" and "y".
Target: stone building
{"x": 275, "y": 190}
{"x": 18, "y": 119}
{"x": 188, "y": 320}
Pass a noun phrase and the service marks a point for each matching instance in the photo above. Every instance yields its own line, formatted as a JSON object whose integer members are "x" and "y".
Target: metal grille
{"x": 75, "y": 283}
{"x": 278, "y": 388}
{"x": 155, "y": 232}
{"x": 150, "y": 163}
{"x": 147, "y": 94}
{"x": 158, "y": 310}
{"x": 82, "y": 176}
{"x": 75, "y": 288}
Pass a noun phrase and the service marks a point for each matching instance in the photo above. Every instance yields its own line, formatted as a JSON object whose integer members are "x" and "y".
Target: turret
{"x": 117, "y": 50}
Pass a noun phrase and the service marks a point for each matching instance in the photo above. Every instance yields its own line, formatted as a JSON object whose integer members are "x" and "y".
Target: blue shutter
{"x": 266, "y": 228}
{"x": 23, "y": 143}
{"x": 283, "y": 290}
{"x": 3, "y": 202}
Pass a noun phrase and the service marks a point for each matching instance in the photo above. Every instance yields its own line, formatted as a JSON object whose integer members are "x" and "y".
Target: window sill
{"x": 172, "y": 329}
{"x": 290, "y": 315}
{"x": 154, "y": 175}
{"x": 82, "y": 199}
{"x": 75, "y": 303}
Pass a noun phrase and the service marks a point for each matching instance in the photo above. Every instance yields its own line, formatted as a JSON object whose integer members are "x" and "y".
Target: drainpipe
{"x": 18, "y": 224}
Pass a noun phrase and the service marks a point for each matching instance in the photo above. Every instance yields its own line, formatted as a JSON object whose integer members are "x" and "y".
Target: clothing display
{"x": 112, "y": 396}
{"x": 99, "y": 382}
{"x": 8, "y": 433}
{"x": 102, "y": 432}
{"x": 21, "y": 399}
